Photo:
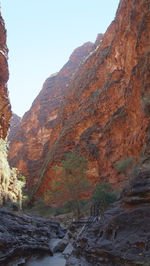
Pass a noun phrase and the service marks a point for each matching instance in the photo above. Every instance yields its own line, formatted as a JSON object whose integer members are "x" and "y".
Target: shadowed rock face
{"x": 122, "y": 236}
{"x": 5, "y": 110}
{"x": 105, "y": 112}
{"x": 24, "y": 235}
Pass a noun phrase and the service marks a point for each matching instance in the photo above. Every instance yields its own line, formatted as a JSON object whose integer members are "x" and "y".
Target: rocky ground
{"x": 122, "y": 236}
{"x": 119, "y": 238}
{"x": 24, "y": 235}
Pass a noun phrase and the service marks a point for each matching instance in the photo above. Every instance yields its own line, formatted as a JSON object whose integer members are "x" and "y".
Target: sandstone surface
{"x": 14, "y": 125}
{"x": 30, "y": 144}
{"x": 9, "y": 185}
{"x": 105, "y": 109}
{"x": 5, "y": 109}
{"x": 106, "y": 112}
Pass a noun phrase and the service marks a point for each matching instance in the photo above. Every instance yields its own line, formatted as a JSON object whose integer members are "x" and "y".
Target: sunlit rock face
{"x": 30, "y": 144}
{"x": 105, "y": 109}
{"x": 14, "y": 125}
{"x": 5, "y": 110}
{"x": 9, "y": 187}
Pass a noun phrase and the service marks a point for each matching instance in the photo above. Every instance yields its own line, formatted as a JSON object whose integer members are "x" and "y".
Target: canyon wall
{"x": 5, "y": 109}
{"x": 122, "y": 235}
{"x": 9, "y": 185}
{"x": 14, "y": 125}
{"x": 30, "y": 145}
{"x": 105, "y": 109}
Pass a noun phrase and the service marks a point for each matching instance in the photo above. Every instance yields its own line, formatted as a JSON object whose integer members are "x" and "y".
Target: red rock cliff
{"x": 31, "y": 142}
{"x": 105, "y": 113}
{"x": 107, "y": 110}
{"x": 14, "y": 125}
{"x": 5, "y": 110}
{"x": 9, "y": 187}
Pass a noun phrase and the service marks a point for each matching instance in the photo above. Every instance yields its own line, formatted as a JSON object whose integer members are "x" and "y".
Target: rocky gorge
{"x": 23, "y": 236}
{"x": 98, "y": 105}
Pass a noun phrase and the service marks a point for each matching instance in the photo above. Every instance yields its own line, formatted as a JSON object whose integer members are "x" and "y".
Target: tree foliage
{"x": 103, "y": 196}
{"x": 71, "y": 182}
{"x": 124, "y": 164}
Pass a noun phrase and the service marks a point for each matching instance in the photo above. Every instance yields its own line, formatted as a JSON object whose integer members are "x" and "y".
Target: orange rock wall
{"x": 14, "y": 125}
{"x": 5, "y": 110}
{"x": 104, "y": 113}
{"x": 9, "y": 187}
{"x": 104, "y": 116}
{"x": 30, "y": 144}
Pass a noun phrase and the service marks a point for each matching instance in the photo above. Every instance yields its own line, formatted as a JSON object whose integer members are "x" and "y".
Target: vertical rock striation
{"x": 31, "y": 142}
{"x": 9, "y": 185}
{"x": 5, "y": 109}
{"x": 105, "y": 112}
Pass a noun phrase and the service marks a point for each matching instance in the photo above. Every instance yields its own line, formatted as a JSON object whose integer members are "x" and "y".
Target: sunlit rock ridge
{"x": 9, "y": 187}
{"x": 30, "y": 144}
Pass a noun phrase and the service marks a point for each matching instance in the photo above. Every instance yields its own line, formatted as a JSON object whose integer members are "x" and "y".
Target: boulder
{"x": 24, "y": 235}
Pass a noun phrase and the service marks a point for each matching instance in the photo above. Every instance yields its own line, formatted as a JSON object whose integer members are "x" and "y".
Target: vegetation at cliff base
{"x": 123, "y": 164}
{"x": 72, "y": 192}
{"x": 71, "y": 182}
{"x": 11, "y": 181}
{"x": 103, "y": 196}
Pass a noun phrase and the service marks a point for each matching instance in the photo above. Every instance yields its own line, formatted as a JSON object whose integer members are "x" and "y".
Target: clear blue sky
{"x": 41, "y": 36}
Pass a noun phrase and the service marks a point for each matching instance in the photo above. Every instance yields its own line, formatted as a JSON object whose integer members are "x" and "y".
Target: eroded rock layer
{"x": 23, "y": 236}
{"x": 105, "y": 112}
{"x": 31, "y": 142}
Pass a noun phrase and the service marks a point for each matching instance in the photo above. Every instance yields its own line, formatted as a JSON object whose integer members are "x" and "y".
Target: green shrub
{"x": 122, "y": 165}
{"x": 40, "y": 208}
{"x": 71, "y": 182}
{"x": 69, "y": 205}
{"x": 103, "y": 196}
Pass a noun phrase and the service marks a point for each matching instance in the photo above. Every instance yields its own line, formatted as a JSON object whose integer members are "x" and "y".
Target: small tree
{"x": 71, "y": 182}
{"x": 103, "y": 196}
{"x": 20, "y": 182}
